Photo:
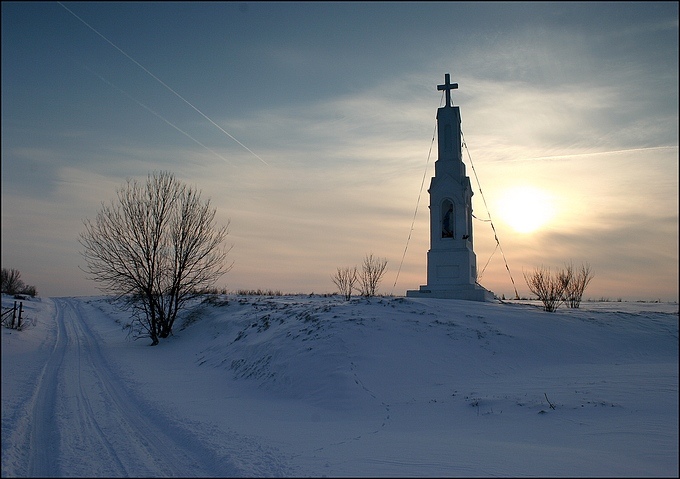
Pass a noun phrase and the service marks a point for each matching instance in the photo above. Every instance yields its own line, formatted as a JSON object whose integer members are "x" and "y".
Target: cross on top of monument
{"x": 448, "y": 86}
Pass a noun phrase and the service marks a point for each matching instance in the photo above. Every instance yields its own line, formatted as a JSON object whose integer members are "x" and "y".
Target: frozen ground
{"x": 316, "y": 386}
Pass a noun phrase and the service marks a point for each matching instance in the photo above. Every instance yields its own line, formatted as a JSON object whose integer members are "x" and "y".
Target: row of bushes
{"x": 12, "y": 283}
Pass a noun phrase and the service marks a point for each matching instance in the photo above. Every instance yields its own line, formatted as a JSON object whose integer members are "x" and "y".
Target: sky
{"x": 314, "y": 386}
{"x": 310, "y": 128}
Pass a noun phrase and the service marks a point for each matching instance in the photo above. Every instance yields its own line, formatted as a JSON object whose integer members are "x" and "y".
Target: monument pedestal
{"x": 468, "y": 292}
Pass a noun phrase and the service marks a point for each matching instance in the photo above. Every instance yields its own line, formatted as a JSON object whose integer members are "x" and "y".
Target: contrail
{"x": 608, "y": 152}
{"x": 162, "y": 83}
{"x": 158, "y": 115}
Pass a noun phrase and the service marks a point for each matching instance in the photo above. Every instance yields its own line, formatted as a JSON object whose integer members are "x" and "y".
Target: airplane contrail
{"x": 162, "y": 82}
{"x": 157, "y": 114}
{"x": 625, "y": 150}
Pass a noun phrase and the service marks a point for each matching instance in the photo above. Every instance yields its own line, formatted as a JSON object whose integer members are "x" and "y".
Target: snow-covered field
{"x": 316, "y": 386}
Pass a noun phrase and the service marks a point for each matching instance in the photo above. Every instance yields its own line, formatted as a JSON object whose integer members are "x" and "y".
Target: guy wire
{"x": 498, "y": 243}
{"x": 422, "y": 183}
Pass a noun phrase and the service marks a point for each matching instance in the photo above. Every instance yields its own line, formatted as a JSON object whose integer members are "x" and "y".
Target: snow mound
{"x": 332, "y": 353}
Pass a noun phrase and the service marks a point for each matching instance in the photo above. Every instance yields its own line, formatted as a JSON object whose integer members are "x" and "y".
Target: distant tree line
{"x": 12, "y": 283}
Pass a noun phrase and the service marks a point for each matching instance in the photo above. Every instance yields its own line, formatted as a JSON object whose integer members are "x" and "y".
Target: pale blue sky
{"x": 333, "y": 108}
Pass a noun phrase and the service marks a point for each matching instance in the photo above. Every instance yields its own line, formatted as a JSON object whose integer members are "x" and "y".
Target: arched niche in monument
{"x": 448, "y": 219}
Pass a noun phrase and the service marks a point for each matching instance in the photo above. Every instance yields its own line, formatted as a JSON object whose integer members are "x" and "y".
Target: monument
{"x": 451, "y": 260}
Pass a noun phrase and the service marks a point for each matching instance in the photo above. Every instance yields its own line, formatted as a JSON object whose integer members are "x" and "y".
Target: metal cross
{"x": 448, "y": 86}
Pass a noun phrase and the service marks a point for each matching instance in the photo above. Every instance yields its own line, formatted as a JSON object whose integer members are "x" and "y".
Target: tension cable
{"x": 498, "y": 243}
{"x": 422, "y": 183}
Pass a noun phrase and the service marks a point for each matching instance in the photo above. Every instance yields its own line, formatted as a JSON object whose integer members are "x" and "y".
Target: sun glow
{"x": 526, "y": 208}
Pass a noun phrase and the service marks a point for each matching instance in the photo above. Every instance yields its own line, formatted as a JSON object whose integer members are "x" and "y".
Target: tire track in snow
{"x": 85, "y": 421}
{"x": 43, "y": 434}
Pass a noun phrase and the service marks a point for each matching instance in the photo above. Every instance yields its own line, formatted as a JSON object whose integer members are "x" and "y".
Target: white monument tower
{"x": 451, "y": 260}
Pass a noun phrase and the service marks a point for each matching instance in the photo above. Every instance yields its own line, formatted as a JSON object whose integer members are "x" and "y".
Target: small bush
{"x": 372, "y": 271}
{"x": 565, "y": 286}
{"x": 344, "y": 279}
{"x": 579, "y": 281}
{"x": 547, "y": 287}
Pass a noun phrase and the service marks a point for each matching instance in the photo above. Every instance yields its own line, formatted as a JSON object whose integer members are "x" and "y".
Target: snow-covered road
{"x": 84, "y": 419}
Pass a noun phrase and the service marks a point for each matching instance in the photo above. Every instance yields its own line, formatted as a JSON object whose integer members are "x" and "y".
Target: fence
{"x": 10, "y": 318}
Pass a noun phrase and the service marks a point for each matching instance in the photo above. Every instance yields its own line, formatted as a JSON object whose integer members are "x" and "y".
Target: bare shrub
{"x": 155, "y": 248}
{"x": 345, "y": 279}
{"x": 578, "y": 284}
{"x": 372, "y": 271}
{"x": 548, "y": 288}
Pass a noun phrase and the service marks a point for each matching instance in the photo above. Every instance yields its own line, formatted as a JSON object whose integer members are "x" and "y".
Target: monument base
{"x": 468, "y": 292}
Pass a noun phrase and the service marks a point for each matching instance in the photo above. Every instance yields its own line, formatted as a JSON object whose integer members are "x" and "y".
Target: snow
{"x": 317, "y": 386}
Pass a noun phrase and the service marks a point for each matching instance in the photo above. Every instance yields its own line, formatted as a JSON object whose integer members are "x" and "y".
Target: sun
{"x": 526, "y": 208}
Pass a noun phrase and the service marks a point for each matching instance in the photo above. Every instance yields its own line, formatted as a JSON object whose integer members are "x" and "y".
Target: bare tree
{"x": 579, "y": 281}
{"x": 372, "y": 271}
{"x": 156, "y": 247}
{"x": 11, "y": 281}
{"x": 549, "y": 288}
{"x": 345, "y": 279}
